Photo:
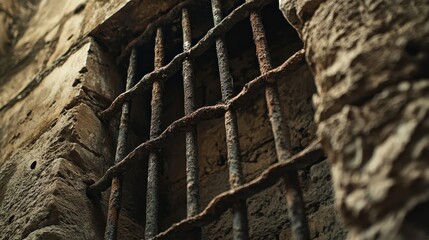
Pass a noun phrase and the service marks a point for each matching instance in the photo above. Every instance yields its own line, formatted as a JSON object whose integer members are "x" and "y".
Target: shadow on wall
{"x": 415, "y": 225}
{"x": 5, "y": 24}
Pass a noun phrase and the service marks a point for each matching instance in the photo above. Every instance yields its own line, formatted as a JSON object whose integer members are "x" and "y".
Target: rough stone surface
{"x": 40, "y": 35}
{"x": 54, "y": 79}
{"x": 370, "y": 62}
{"x": 48, "y": 159}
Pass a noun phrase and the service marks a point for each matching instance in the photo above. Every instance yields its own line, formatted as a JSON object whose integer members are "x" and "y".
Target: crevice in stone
{"x": 39, "y": 77}
{"x": 416, "y": 224}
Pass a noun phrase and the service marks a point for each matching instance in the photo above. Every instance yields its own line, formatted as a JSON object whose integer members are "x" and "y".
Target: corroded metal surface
{"x": 309, "y": 156}
{"x": 152, "y": 199}
{"x": 267, "y": 80}
{"x": 192, "y": 168}
{"x": 197, "y": 50}
{"x": 204, "y": 113}
{"x": 116, "y": 188}
{"x": 239, "y": 210}
{"x": 280, "y": 131}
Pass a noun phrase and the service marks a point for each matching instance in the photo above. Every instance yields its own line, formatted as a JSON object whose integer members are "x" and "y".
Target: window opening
{"x": 286, "y": 167}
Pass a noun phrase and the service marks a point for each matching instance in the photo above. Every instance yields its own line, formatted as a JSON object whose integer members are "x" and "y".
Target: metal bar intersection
{"x": 285, "y": 169}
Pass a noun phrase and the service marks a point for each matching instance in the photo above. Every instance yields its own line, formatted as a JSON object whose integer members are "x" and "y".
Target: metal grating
{"x": 285, "y": 169}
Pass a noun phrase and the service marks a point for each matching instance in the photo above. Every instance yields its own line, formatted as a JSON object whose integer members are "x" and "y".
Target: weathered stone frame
{"x": 370, "y": 62}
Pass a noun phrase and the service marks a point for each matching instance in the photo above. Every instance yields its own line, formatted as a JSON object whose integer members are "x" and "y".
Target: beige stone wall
{"x": 55, "y": 78}
{"x": 370, "y": 60}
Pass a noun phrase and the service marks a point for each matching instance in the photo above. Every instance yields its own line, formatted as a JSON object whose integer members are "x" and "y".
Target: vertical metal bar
{"x": 152, "y": 194}
{"x": 192, "y": 170}
{"x": 236, "y": 178}
{"x": 114, "y": 207}
{"x": 281, "y": 133}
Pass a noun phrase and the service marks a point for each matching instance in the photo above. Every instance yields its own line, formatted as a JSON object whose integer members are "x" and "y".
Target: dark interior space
{"x": 283, "y": 42}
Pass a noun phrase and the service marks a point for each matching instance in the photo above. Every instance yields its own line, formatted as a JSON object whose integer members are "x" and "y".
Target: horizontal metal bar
{"x": 197, "y": 50}
{"x": 311, "y": 155}
{"x": 205, "y": 113}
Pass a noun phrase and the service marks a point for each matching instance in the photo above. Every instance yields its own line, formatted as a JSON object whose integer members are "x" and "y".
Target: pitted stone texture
{"x": 41, "y": 35}
{"x": 65, "y": 87}
{"x": 43, "y": 191}
{"x": 370, "y": 61}
{"x": 47, "y": 97}
{"x": 298, "y": 12}
{"x": 52, "y": 145}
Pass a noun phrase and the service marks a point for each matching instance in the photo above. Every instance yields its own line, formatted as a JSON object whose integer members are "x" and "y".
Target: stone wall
{"x": 370, "y": 63}
{"x": 53, "y": 80}
{"x": 58, "y": 70}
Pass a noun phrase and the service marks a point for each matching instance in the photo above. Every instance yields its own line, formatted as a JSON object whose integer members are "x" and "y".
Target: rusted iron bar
{"x": 280, "y": 131}
{"x": 191, "y": 135}
{"x": 296, "y": 206}
{"x": 311, "y": 155}
{"x": 163, "y": 20}
{"x": 192, "y": 169}
{"x": 197, "y": 50}
{"x": 115, "y": 198}
{"x": 239, "y": 210}
{"x": 152, "y": 194}
{"x": 204, "y": 113}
